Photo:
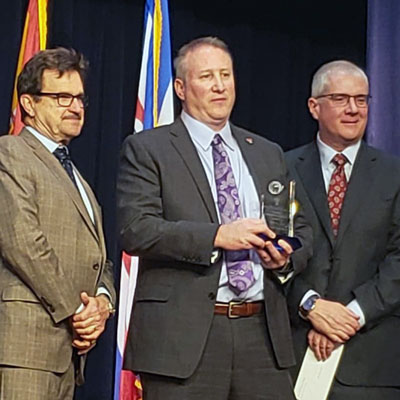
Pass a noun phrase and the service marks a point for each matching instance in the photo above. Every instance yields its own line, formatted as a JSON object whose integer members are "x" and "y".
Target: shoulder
{"x": 384, "y": 156}
{"x": 257, "y": 140}
{"x": 149, "y": 136}
{"x": 383, "y": 160}
{"x": 299, "y": 152}
{"x": 13, "y": 147}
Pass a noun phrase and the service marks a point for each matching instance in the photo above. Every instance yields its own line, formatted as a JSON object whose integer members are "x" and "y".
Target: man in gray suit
{"x": 209, "y": 318}
{"x": 56, "y": 287}
{"x": 350, "y": 193}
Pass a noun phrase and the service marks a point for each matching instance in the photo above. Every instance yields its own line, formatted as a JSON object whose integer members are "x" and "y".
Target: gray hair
{"x": 180, "y": 59}
{"x": 321, "y": 78}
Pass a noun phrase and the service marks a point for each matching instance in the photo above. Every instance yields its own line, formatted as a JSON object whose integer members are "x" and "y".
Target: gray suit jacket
{"x": 167, "y": 216}
{"x": 362, "y": 263}
{"x": 50, "y": 252}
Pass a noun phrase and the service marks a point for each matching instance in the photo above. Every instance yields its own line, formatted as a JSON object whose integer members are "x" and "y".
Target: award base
{"x": 293, "y": 241}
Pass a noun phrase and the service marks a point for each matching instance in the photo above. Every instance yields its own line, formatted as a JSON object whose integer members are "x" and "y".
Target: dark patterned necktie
{"x": 62, "y": 154}
{"x": 337, "y": 191}
{"x": 238, "y": 264}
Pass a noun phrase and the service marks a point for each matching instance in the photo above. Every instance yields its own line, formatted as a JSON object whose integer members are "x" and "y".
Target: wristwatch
{"x": 308, "y": 305}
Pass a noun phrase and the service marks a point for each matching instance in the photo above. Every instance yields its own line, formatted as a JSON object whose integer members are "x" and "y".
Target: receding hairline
{"x": 190, "y": 47}
{"x": 323, "y": 76}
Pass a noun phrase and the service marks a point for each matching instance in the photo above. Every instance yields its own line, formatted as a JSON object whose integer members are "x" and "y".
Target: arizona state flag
{"x": 33, "y": 39}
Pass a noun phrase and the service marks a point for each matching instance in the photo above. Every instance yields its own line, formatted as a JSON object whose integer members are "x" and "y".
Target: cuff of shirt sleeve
{"x": 100, "y": 290}
{"x": 355, "y": 307}
{"x": 308, "y": 294}
{"x": 103, "y": 290}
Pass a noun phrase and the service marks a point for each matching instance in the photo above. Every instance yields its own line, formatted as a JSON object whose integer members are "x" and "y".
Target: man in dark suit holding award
{"x": 209, "y": 318}
{"x": 56, "y": 287}
{"x": 350, "y": 193}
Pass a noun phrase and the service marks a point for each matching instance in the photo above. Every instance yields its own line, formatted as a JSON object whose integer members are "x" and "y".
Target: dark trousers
{"x": 237, "y": 364}
{"x": 343, "y": 392}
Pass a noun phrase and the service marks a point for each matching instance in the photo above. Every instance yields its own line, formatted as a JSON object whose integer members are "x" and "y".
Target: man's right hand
{"x": 334, "y": 320}
{"x": 242, "y": 234}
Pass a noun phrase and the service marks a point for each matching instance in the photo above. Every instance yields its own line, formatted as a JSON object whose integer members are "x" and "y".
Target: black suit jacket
{"x": 167, "y": 216}
{"x": 363, "y": 263}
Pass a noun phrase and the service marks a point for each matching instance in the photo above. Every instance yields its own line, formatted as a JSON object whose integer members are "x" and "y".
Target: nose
{"x": 352, "y": 106}
{"x": 76, "y": 105}
{"x": 219, "y": 85}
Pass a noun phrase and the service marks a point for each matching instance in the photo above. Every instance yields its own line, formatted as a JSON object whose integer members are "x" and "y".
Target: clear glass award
{"x": 278, "y": 208}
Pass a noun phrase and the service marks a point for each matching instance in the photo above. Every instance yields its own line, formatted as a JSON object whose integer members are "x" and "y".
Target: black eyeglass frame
{"x": 83, "y": 100}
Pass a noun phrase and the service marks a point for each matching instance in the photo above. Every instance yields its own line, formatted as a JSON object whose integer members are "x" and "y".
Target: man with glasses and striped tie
{"x": 56, "y": 286}
{"x": 350, "y": 292}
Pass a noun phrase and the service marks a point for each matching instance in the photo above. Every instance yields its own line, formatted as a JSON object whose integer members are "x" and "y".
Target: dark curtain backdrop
{"x": 277, "y": 46}
{"x": 383, "y": 56}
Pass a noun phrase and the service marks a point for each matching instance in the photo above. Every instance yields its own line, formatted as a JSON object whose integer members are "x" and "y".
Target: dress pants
{"x": 343, "y": 392}
{"x": 237, "y": 364}
{"x": 32, "y": 384}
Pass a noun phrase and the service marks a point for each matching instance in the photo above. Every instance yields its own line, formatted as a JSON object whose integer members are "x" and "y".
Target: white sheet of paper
{"x": 316, "y": 377}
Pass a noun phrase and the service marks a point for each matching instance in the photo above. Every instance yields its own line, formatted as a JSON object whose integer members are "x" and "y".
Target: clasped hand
{"x": 89, "y": 324}
{"x": 333, "y": 324}
{"x": 334, "y": 320}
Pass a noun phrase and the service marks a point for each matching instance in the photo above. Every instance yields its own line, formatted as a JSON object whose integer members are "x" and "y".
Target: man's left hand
{"x": 272, "y": 258}
{"x": 90, "y": 323}
{"x": 320, "y": 345}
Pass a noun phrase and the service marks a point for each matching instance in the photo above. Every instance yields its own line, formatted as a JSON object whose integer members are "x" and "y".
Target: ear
{"x": 179, "y": 86}
{"x": 313, "y": 107}
{"x": 27, "y": 103}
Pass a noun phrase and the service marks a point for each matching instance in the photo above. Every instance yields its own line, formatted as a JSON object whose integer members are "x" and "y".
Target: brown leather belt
{"x": 236, "y": 309}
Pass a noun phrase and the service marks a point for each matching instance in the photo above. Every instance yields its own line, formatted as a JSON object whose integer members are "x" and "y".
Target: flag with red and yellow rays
{"x": 34, "y": 38}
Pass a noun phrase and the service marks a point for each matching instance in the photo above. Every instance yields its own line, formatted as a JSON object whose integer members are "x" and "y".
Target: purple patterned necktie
{"x": 238, "y": 264}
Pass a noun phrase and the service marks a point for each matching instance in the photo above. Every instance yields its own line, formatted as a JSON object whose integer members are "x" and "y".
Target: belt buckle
{"x": 231, "y": 304}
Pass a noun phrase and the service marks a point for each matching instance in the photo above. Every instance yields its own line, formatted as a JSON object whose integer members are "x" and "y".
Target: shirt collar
{"x": 46, "y": 142}
{"x": 327, "y": 153}
{"x": 203, "y": 135}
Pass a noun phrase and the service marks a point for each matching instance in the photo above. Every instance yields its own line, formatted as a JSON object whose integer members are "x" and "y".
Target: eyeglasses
{"x": 66, "y": 99}
{"x": 342, "y": 99}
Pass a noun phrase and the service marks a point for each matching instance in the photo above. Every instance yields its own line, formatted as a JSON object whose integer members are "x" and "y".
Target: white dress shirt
{"x": 202, "y": 137}
{"x": 326, "y": 154}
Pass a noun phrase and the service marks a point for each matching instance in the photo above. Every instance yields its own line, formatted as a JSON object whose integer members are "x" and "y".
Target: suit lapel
{"x": 357, "y": 190}
{"x": 308, "y": 167}
{"x": 53, "y": 165}
{"x": 98, "y": 226}
{"x": 181, "y": 141}
{"x": 248, "y": 146}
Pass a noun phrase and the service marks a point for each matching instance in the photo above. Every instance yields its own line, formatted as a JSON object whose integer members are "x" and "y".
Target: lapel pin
{"x": 275, "y": 187}
{"x": 249, "y": 140}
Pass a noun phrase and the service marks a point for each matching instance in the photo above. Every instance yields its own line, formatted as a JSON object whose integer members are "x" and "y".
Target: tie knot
{"x": 339, "y": 160}
{"x": 217, "y": 140}
{"x": 62, "y": 153}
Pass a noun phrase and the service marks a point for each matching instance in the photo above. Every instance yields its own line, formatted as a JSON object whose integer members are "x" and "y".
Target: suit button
{"x": 211, "y": 296}
{"x": 96, "y": 267}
